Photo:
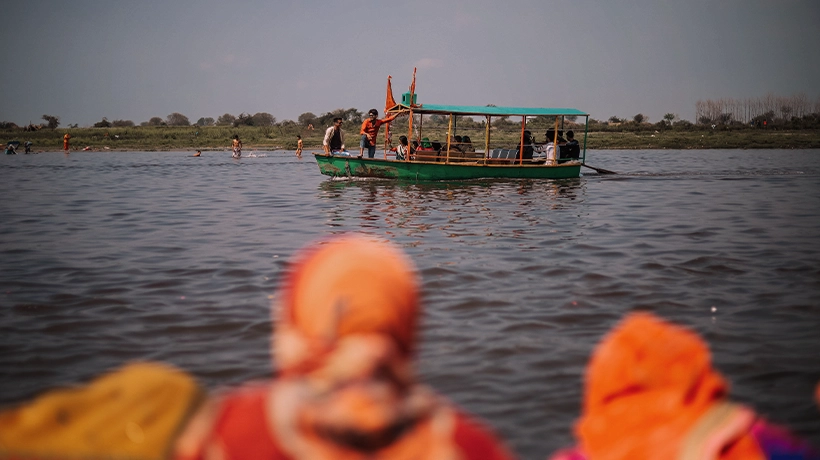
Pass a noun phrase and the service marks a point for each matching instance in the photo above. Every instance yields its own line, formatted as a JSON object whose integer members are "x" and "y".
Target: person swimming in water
{"x": 237, "y": 146}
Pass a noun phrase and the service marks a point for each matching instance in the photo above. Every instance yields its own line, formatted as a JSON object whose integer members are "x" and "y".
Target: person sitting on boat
{"x": 334, "y": 141}
{"x": 370, "y": 130}
{"x": 467, "y": 144}
{"x": 650, "y": 391}
{"x": 528, "y": 148}
{"x": 572, "y": 149}
{"x": 403, "y": 148}
{"x": 11, "y": 148}
{"x": 548, "y": 150}
{"x": 425, "y": 144}
{"x": 345, "y": 335}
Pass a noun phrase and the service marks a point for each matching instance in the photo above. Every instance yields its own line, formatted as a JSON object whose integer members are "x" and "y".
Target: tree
{"x": 205, "y": 121}
{"x": 244, "y": 119}
{"x": 306, "y": 118}
{"x": 122, "y": 123}
{"x": 177, "y": 119}
{"x": 614, "y": 119}
{"x": 639, "y": 118}
{"x": 263, "y": 119}
{"x": 53, "y": 122}
{"x": 154, "y": 121}
{"x": 226, "y": 119}
{"x": 103, "y": 124}
{"x": 670, "y": 117}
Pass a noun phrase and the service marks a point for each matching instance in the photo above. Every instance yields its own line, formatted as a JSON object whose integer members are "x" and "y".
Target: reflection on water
{"x": 110, "y": 257}
{"x": 455, "y": 209}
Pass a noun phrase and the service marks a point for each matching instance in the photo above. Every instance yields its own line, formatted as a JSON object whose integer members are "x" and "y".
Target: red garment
{"x": 371, "y": 127}
{"x": 346, "y": 318}
{"x": 244, "y": 432}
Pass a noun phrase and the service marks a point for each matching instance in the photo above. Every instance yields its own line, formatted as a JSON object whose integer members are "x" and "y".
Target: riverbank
{"x": 217, "y": 138}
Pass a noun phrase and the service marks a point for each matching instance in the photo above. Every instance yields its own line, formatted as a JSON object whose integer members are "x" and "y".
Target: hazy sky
{"x": 83, "y": 60}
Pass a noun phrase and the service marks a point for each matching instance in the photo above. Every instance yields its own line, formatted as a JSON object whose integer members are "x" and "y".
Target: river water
{"x": 111, "y": 257}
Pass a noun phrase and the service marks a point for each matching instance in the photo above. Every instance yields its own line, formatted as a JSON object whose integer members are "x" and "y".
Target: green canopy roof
{"x": 489, "y": 110}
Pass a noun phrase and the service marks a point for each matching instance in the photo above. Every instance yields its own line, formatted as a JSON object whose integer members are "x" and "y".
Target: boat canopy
{"x": 487, "y": 110}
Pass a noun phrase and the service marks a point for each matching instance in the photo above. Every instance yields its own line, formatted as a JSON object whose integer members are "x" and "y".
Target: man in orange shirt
{"x": 369, "y": 131}
{"x": 66, "y": 138}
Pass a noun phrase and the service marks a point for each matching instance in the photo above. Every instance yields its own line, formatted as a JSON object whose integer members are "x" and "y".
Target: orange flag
{"x": 413, "y": 87}
{"x": 389, "y": 102}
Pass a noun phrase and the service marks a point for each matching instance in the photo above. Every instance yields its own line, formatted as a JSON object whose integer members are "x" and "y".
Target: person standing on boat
{"x": 237, "y": 146}
{"x": 370, "y": 130}
{"x": 334, "y": 140}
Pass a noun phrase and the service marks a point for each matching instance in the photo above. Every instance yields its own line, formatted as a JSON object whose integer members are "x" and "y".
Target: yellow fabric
{"x": 134, "y": 412}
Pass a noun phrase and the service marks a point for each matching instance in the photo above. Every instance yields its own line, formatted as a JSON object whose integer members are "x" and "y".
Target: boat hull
{"x": 344, "y": 166}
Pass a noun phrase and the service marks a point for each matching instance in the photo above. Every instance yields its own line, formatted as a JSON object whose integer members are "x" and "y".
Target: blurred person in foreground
{"x": 345, "y": 335}
{"x": 651, "y": 393}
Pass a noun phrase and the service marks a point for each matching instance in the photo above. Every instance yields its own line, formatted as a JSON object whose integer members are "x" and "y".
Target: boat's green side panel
{"x": 338, "y": 166}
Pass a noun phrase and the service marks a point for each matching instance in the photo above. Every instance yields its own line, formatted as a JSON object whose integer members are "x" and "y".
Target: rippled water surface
{"x": 109, "y": 257}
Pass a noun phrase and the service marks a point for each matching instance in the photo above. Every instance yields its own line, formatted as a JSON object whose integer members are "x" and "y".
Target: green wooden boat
{"x": 351, "y": 166}
{"x": 509, "y": 156}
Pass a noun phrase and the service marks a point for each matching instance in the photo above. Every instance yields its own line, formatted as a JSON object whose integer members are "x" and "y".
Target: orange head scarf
{"x": 649, "y": 386}
{"x": 345, "y": 286}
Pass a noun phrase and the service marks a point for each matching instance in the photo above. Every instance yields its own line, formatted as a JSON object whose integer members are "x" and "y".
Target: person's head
{"x": 198, "y": 151}
{"x": 373, "y": 113}
{"x": 236, "y": 136}
{"x": 403, "y": 140}
{"x": 647, "y": 384}
{"x": 337, "y": 122}
{"x": 457, "y": 138}
{"x": 350, "y": 292}
{"x": 298, "y": 136}
{"x": 570, "y": 134}
{"x": 466, "y": 139}
{"x": 550, "y": 135}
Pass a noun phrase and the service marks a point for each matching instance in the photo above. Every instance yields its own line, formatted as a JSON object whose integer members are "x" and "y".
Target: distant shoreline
{"x": 217, "y": 139}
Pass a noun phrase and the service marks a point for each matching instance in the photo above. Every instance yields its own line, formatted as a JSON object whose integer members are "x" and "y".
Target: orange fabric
{"x": 344, "y": 338}
{"x": 242, "y": 432}
{"x": 647, "y": 385}
{"x": 371, "y": 127}
{"x": 389, "y": 102}
{"x": 349, "y": 285}
{"x": 413, "y": 88}
{"x": 66, "y": 138}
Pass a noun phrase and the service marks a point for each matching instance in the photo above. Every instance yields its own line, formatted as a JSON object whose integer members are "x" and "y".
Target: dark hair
{"x": 373, "y": 111}
{"x": 236, "y": 136}
{"x": 298, "y": 136}
{"x": 403, "y": 140}
{"x": 457, "y": 138}
{"x": 466, "y": 139}
{"x": 337, "y": 119}
{"x": 570, "y": 134}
